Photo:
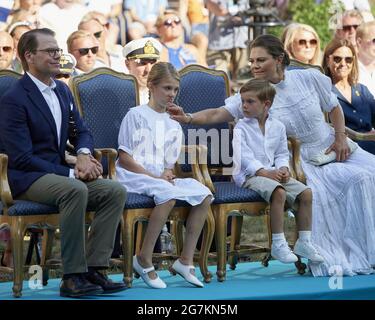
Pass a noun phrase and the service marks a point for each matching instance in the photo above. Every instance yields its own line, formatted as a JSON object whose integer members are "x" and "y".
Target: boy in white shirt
{"x": 261, "y": 159}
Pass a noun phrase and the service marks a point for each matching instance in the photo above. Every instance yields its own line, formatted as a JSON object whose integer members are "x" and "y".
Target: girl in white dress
{"x": 149, "y": 146}
{"x": 343, "y": 227}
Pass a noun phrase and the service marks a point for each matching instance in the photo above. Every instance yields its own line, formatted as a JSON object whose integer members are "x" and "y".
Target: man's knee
{"x": 116, "y": 191}
{"x": 75, "y": 188}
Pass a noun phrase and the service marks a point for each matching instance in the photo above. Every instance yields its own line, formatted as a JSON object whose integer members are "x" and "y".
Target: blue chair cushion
{"x": 29, "y": 208}
{"x": 140, "y": 201}
{"x": 228, "y": 192}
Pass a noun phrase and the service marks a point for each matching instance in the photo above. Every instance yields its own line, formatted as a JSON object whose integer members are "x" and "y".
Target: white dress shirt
{"x": 52, "y": 101}
{"x": 253, "y": 151}
{"x": 366, "y": 77}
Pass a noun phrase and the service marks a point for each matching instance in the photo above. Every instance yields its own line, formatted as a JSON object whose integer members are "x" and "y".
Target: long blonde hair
{"x": 290, "y": 34}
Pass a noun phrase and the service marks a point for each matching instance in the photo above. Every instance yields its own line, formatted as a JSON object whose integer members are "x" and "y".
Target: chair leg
{"x": 127, "y": 233}
{"x": 208, "y": 235}
{"x": 17, "y": 231}
{"x": 141, "y": 230}
{"x": 268, "y": 256}
{"x": 221, "y": 246}
{"x": 235, "y": 239}
{"x": 48, "y": 237}
{"x": 301, "y": 267}
{"x": 178, "y": 233}
{"x": 30, "y": 250}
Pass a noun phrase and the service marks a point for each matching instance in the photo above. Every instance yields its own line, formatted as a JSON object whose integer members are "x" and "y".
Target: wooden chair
{"x": 103, "y": 97}
{"x": 20, "y": 215}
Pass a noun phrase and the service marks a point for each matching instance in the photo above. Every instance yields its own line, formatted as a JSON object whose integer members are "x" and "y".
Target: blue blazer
{"x": 28, "y": 133}
{"x": 360, "y": 113}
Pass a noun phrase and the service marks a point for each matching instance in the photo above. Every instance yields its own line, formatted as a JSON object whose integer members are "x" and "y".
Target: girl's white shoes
{"x": 153, "y": 283}
{"x": 184, "y": 271}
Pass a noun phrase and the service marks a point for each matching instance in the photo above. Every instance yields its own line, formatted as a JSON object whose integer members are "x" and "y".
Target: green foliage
{"x": 313, "y": 14}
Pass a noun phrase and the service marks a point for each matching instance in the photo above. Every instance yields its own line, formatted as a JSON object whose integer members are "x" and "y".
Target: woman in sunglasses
{"x": 341, "y": 65}
{"x": 175, "y": 50}
{"x": 302, "y": 43}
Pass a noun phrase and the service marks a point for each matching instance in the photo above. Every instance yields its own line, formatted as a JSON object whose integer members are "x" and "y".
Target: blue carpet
{"x": 248, "y": 281}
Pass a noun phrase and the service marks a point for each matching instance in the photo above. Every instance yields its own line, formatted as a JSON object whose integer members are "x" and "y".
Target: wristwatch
{"x": 85, "y": 151}
{"x": 190, "y": 116}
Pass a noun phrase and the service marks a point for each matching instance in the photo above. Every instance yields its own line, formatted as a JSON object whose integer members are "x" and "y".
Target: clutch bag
{"x": 321, "y": 158}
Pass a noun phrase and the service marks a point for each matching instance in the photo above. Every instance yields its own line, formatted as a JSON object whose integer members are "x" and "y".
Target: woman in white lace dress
{"x": 343, "y": 227}
{"x": 149, "y": 146}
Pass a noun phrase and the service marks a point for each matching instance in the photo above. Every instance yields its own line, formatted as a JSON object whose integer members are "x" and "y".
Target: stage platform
{"x": 250, "y": 281}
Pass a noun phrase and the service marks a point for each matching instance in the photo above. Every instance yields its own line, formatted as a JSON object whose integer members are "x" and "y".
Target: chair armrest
{"x": 360, "y": 136}
{"x": 6, "y": 195}
{"x": 296, "y": 159}
{"x": 202, "y": 154}
{"x": 111, "y": 155}
{"x": 192, "y": 151}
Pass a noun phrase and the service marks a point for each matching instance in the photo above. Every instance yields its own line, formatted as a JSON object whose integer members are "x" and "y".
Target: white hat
{"x": 144, "y": 48}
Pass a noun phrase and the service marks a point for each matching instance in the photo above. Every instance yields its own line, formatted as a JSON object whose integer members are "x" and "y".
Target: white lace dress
{"x": 154, "y": 142}
{"x": 343, "y": 227}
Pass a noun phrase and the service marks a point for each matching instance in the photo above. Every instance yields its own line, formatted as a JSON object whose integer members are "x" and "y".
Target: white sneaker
{"x": 307, "y": 250}
{"x": 184, "y": 271}
{"x": 283, "y": 253}
{"x": 156, "y": 283}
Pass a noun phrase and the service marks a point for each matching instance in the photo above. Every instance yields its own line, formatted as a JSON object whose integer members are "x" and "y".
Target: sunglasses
{"x": 303, "y": 42}
{"x": 98, "y": 34}
{"x": 348, "y": 60}
{"x": 7, "y": 48}
{"x": 169, "y": 22}
{"x": 144, "y": 62}
{"x": 349, "y": 27}
{"x": 85, "y": 51}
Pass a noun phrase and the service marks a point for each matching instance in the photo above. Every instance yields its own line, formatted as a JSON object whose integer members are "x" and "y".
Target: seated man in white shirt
{"x": 261, "y": 158}
{"x": 140, "y": 55}
{"x": 84, "y": 47}
{"x": 106, "y": 57}
{"x": 350, "y": 21}
{"x": 366, "y": 55}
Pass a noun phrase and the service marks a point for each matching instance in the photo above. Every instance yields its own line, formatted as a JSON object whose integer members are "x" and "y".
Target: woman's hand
{"x": 168, "y": 175}
{"x": 177, "y": 113}
{"x": 340, "y": 146}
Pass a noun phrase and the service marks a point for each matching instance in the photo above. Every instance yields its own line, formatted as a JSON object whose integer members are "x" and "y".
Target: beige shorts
{"x": 266, "y": 186}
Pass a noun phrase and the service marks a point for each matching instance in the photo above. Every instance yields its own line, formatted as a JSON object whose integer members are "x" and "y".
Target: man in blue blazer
{"x": 37, "y": 117}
